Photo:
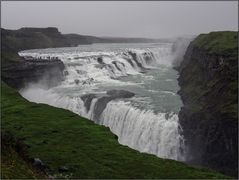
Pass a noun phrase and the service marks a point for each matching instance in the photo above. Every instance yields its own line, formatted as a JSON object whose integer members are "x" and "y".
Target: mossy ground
{"x": 61, "y": 138}
{"x": 223, "y": 43}
{"x": 13, "y": 166}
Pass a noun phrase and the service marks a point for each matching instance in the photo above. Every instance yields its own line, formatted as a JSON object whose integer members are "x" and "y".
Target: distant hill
{"x": 13, "y": 41}
{"x": 31, "y": 38}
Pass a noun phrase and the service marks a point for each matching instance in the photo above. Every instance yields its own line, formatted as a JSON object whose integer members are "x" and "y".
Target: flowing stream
{"x": 144, "y": 115}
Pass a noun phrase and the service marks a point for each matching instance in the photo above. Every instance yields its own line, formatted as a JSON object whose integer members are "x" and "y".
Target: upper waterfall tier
{"x": 131, "y": 88}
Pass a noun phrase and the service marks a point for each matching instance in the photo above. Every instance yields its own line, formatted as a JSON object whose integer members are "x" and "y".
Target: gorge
{"x": 132, "y": 89}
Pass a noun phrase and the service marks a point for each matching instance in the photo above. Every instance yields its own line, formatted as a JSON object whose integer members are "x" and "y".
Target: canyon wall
{"x": 208, "y": 78}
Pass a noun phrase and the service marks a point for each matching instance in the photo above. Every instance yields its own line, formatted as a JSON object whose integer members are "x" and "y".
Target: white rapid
{"x": 96, "y": 72}
{"x": 89, "y": 68}
{"x": 145, "y": 130}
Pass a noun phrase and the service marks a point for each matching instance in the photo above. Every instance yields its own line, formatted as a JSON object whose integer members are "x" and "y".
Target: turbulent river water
{"x": 147, "y": 121}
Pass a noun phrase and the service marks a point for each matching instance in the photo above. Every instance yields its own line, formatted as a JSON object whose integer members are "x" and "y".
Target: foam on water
{"x": 88, "y": 71}
{"x": 144, "y": 130}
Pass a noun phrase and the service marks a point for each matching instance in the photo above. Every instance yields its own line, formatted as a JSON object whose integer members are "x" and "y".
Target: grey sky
{"x": 155, "y": 19}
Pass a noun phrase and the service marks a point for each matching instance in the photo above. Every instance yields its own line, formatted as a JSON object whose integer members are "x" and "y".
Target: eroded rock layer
{"x": 209, "y": 91}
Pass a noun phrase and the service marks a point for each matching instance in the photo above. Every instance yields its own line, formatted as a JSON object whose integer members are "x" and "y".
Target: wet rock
{"x": 148, "y": 57}
{"x": 88, "y": 81}
{"x": 120, "y": 93}
{"x": 19, "y": 73}
{"x": 38, "y": 163}
{"x": 76, "y": 57}
{"x": 66, "y": 73}
{"x": 87, "y": 100}
{"x": 134, "y": 57}
{"x": 80, "y": 72}
{"x": 103, "y": 101}
{"x": 100, "y": 60}
{"x": 117, "y": 64}
{"x": 77, "y": 81}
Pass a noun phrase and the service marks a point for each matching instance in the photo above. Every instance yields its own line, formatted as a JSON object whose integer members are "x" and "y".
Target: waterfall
{"x": 87, "y": 69}
{"x": 86, "y": 72}
{"x": 144, "y": 130}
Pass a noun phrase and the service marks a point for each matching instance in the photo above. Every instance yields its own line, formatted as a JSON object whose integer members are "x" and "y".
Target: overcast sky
{"x": 152, "y": 19}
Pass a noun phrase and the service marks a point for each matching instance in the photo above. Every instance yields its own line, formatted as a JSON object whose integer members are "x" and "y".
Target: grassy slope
{"x": 61, "y": 138}
{"x": 223, "y": 43}
{"x": 13, "y": 166}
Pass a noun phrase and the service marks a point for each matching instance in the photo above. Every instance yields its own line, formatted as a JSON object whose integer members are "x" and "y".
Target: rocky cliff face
{"x": 209, "y": 91}
{"x": 16, "y": 71}
{"x": 19, "y": 74}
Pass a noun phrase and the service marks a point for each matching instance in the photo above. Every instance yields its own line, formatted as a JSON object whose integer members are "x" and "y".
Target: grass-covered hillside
{"x": 33, "y": 38}
{"x": 73, "y": 147}
{"x": 224, "y": 43}
{"x": 13, "y": 163}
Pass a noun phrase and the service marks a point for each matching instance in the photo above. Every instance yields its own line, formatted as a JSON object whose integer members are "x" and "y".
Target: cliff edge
{"x": 208, "y": 78}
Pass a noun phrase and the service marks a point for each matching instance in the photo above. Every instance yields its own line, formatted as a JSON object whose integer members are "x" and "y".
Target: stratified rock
{"x": 22, "y": 72}
{"x": 209, "y": 91}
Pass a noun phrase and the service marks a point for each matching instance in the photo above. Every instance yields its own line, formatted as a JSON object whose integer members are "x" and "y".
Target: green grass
{"x": 221, "y": 43}
{"x": 61, "y": 138}
{"x": 13, "y": 166}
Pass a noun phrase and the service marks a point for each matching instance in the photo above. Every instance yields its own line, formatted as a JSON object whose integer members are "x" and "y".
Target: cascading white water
{"x": 156, "y": 132}
{"x": 85, "y": 65}
{"x": 144, "y": 130}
